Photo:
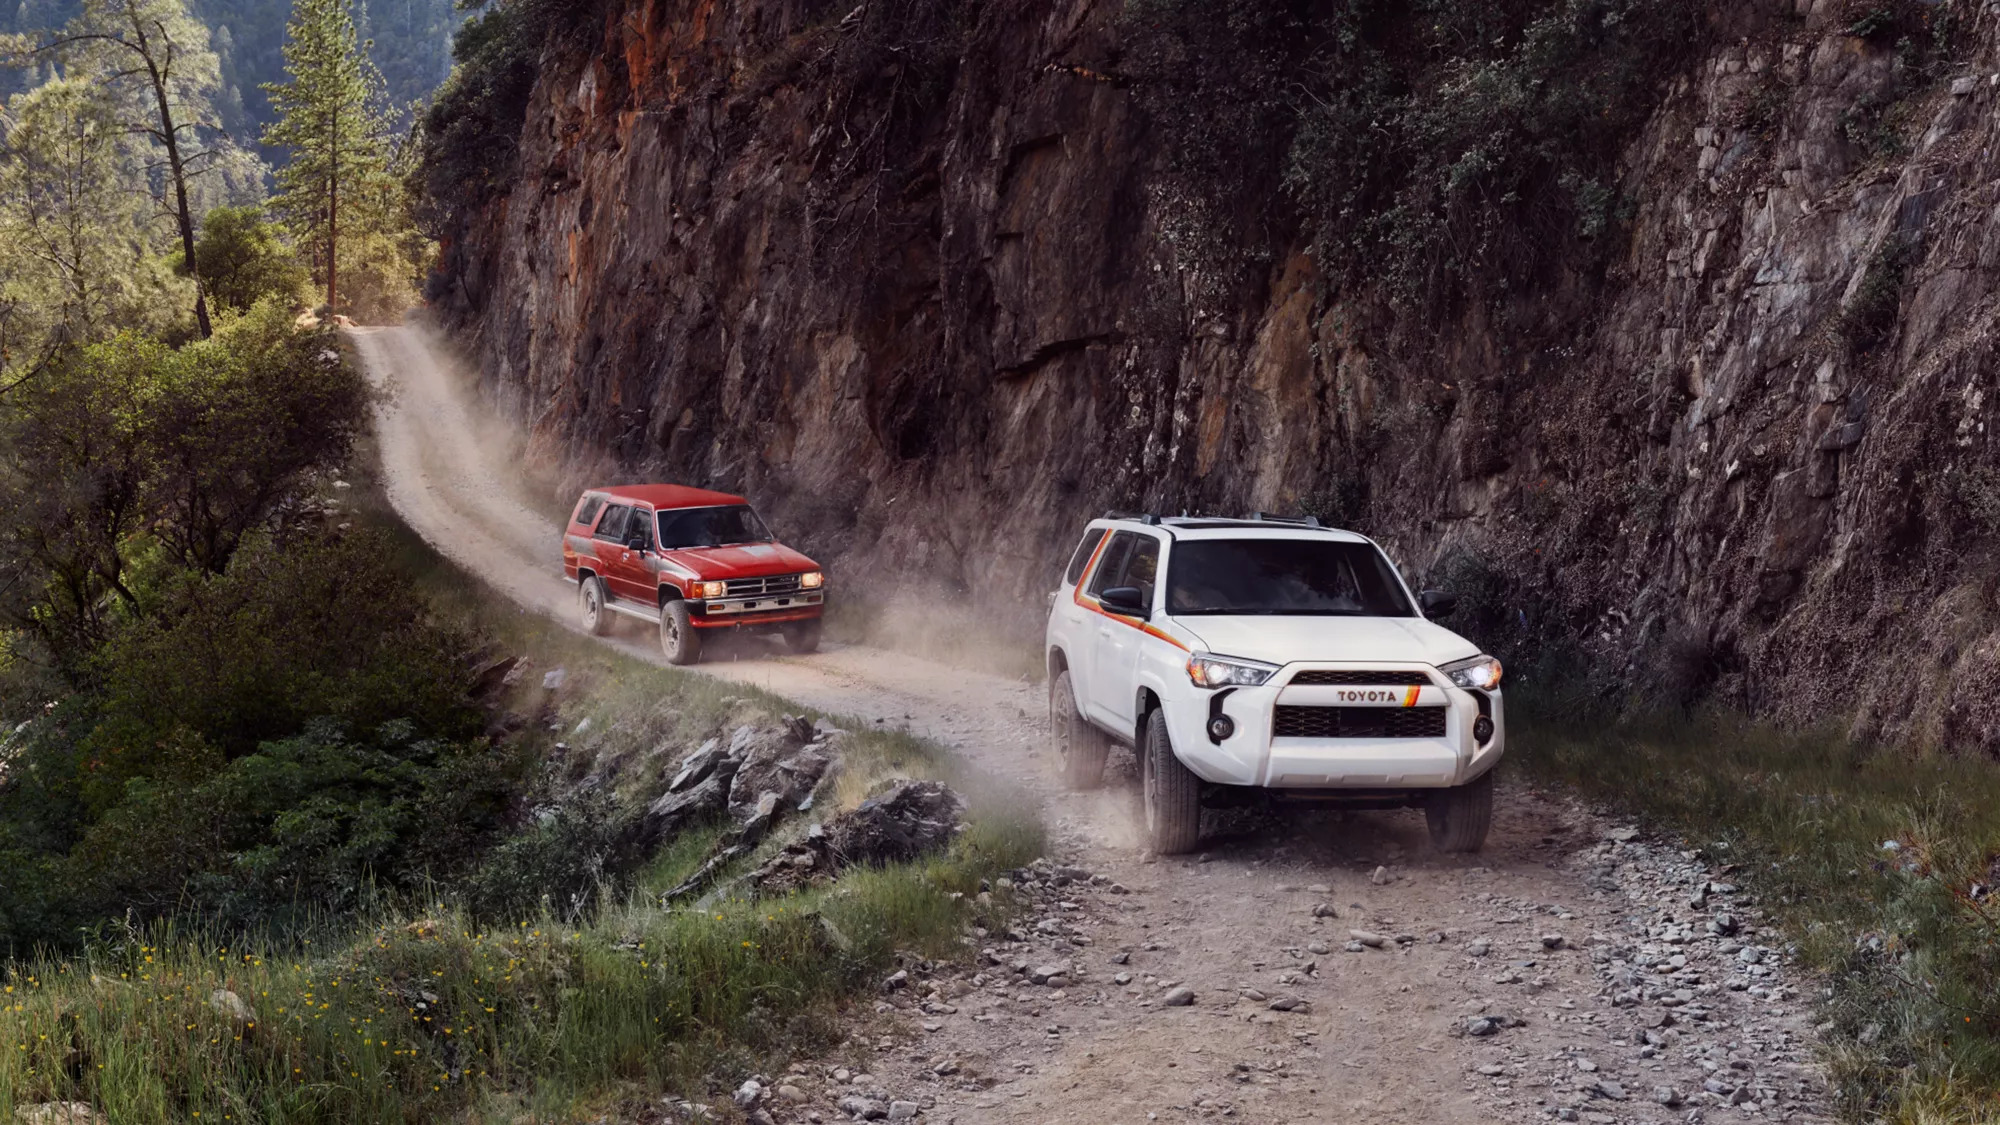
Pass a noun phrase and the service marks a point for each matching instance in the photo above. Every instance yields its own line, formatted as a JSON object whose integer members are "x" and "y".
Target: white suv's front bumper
{"x": 1253, "y": 755}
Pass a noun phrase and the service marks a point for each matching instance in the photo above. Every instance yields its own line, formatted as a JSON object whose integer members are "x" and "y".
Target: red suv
{"x": 692, "y": 561}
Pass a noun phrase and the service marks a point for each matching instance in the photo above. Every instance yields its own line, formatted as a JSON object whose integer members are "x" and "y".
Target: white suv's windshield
{"x": 711, "y": 527}
{"x": 1283, "y": 576}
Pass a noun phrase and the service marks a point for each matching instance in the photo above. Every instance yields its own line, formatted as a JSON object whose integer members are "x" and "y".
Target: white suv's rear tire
{"x": 1080, "y": 748}
{"x": 1172, "y": 794}
{"x": 594, "y": 602}
{"x": 1460, "y": 816}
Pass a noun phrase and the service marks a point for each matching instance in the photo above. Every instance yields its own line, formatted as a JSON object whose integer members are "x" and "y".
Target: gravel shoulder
{"x": 1310, "y": 967}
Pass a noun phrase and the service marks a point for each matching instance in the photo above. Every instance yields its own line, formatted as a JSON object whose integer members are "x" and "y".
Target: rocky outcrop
{"x": 935, "y": 315}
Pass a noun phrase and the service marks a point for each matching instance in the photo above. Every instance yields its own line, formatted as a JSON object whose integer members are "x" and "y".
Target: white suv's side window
{"x": 1131, "y": 560}
{"x": 1081, "y": 558}
{"x": 1112, "y": 563}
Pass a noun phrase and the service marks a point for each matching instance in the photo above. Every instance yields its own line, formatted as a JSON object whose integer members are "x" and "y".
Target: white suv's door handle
{"x": 1104, "y": 630}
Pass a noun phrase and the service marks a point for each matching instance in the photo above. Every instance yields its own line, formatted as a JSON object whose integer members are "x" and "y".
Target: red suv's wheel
{"x": 678, "y": 638}
{"x": 592, "y": 600}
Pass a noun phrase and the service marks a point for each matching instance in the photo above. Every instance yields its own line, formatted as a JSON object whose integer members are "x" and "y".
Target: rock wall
{"x": 936, "y": 315}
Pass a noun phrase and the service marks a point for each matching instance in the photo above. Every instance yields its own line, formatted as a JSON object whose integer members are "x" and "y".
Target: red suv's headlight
{"x": 710, "y": 589}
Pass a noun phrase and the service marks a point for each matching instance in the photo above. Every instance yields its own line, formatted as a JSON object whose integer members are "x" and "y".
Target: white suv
{"x": 1239, "y": 656}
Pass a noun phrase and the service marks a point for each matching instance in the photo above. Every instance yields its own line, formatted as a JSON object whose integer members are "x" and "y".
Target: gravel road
{"x": 1312, "y": 967}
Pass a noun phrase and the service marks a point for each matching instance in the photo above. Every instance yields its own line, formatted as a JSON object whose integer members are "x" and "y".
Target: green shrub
{"x": 244, "y": 260}
{"x": 297, "y": 629}
{"x": 306, "y": 828}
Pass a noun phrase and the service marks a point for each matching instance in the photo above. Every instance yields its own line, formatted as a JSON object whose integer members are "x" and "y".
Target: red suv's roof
{"x": 669, "y": 496}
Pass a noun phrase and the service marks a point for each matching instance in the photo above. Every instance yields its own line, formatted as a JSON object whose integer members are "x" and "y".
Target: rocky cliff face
{"x": 936, "y": 312}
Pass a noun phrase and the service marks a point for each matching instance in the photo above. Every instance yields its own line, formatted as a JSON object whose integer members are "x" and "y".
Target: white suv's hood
{"x": 1283, "y": 640}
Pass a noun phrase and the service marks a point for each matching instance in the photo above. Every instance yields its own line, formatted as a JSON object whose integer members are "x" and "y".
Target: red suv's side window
{"x": 612, "y": 526}
{"x": 588, "y": 512}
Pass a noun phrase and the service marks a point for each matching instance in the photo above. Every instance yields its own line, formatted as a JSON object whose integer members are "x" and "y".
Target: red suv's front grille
{"x": 1350, "y": 678}
{"x": 1358, "y": 722}
{"x": 757, "y": 587}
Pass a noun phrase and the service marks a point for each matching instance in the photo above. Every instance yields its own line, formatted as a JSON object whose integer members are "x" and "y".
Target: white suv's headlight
{"x": 1480, "y": 673}
{"x": 1227, "y": 671}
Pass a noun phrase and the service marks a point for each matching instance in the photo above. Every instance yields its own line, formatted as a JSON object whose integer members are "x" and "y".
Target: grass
{"x": 427, "y": 1017}
{"x": 1881, "y": 865}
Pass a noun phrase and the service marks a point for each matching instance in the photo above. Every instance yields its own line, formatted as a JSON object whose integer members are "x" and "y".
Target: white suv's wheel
{"x": 1172, "y": 794}
{"x": 591, "y": 599}
{"x": 1460, "y": 816}
{"x": 1080, "y": 748}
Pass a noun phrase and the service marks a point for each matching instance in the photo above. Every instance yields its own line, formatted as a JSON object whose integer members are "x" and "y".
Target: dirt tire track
{"x": 1378, "y": 1038}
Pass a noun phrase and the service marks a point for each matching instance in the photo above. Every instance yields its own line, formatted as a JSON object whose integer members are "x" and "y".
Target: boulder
{"x": 696, "y": 767}
{"x": 910, "y": 819}
{"x": 789, "y": 772}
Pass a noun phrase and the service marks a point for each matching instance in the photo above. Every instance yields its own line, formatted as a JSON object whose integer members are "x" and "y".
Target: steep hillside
{"x": 1690, "y": 386}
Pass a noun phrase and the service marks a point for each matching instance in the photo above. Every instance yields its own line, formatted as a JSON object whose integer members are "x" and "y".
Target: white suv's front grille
{"x": 1358, "y": 722}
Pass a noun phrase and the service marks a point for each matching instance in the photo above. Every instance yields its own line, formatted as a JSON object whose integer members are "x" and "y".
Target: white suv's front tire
{"x": 1171, "y": 792}
{"x": 1460, "y": 816}
{"x": 1080, "y": 748}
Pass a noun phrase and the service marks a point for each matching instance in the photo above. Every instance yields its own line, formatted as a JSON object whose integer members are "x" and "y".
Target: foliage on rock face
{"x": 472, "y": 131}
{"x": 1444, "y": 148}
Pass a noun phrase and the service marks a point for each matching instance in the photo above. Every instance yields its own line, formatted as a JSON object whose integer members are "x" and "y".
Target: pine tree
{"x": 330, "y": 118}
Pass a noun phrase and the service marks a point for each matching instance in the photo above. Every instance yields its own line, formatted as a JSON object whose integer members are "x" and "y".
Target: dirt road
{"x": 1567, "y": 973}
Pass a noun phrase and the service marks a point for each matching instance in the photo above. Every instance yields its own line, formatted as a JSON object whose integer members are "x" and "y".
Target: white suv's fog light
{"x": 1482, "y": 730}
{"x": 1221, "y": 727}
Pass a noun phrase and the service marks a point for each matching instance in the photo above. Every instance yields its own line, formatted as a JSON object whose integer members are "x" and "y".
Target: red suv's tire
{"x": 1171, "y": 792}
{"x": 595, "y": 603}
{"x": 678, "y": 638}
{"x": 1080, "y": 748}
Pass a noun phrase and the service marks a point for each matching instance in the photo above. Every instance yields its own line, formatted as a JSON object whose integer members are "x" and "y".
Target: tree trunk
{"x": 176, "y": 167}
{"x": 333, "y": 213}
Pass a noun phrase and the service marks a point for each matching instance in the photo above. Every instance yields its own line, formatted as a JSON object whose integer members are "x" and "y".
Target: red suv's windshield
{"x": 711, "y": 527}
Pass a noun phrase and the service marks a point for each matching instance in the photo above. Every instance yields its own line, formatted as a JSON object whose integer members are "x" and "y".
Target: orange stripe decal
{"x": 1410, "y": 696}
{"x": 1092, "y": 605}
